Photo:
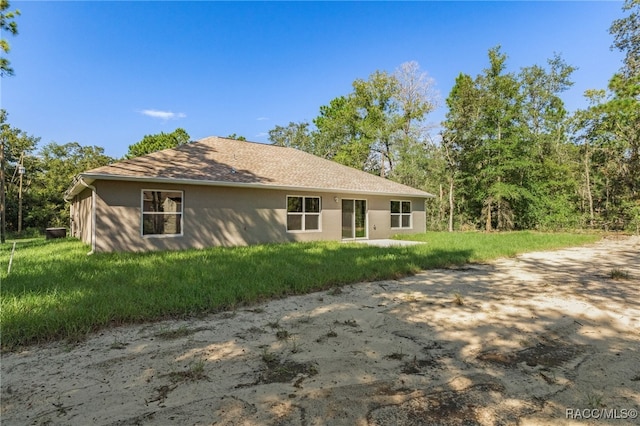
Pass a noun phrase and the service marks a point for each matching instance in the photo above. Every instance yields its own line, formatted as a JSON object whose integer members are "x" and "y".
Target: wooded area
{"x": 507, "y": 156}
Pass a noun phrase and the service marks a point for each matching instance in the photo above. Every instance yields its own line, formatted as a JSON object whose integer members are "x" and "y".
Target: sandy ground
{"x": 542, "y": 339}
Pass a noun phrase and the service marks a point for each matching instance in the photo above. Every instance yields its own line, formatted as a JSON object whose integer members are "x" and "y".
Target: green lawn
{"x": 56, "y": 291}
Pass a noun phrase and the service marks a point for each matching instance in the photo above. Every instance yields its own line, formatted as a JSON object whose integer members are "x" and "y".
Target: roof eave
{"x": 89, "y": 178}
{"x": 78, "y": 185}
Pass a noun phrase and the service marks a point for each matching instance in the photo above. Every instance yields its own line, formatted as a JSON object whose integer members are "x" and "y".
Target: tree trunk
{"x": 440, "y": 207}
{"x": 21, "y": 171}
{"x": 451, "y": 205}
{"x": 488, "y": 223}
{"x": 588, "y": 183}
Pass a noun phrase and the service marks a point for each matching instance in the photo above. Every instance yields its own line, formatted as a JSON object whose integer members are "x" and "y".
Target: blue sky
{"x": 108, "y": 73}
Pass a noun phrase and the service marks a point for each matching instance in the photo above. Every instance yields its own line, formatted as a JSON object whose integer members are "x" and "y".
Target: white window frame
{"x": 303, "y": 214}
{"x": 400, "y": 215}
{"x": 143, "y": 213}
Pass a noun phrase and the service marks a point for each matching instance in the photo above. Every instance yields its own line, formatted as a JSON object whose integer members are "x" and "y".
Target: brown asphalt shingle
{"x": 226, "y": 161}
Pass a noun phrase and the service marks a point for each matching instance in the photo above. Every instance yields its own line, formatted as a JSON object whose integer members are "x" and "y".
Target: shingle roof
{"x": 228, "y": 162}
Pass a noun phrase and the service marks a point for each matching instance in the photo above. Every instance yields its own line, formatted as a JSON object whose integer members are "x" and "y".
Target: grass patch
{"x": 399, "y": 356}
{"x": 618, "y": 274}
{"x": 457, "y": 299}
{"x": 282, "y": 371}
{"x": 55, "y": 291}
{"x": 282, "y": 334}
{"x": 332, "y": 333}
{"x": 487, "y": 246}
{"x": 194, "y": 372}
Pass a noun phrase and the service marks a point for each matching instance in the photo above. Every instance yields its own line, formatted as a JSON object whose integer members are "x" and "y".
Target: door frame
{"x": 354, "y": 213}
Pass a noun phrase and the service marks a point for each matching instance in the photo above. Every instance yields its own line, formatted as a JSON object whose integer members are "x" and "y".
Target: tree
{"x": 506, "y": 147}
{"x": 483, "y": 133}
{"x": 610, "y": 133}
{"x": 417, "y": 96}
{"x": 603, "y": 133}
{"x": 57, "y": 165}
{"x": 417, "y": 159}
{"x": 459, "y": 139}
{"x": 548, "y": 170}
{"x": 499, "y": 168}
{"x": 589, "y": 135}
{"x": 7, "y": 24}
{"x": 295, "y": 135}
{"x": 14, "y": 143}
{"x": 626, "y": 32}
{"x": 339, "y": 135}
{"x": 236, "y": 137}
{"x": 623, "y": 109}
{"x": 380, "y": 117}
{"x": 158, "y": 142}
{"x": 372, "y": 127}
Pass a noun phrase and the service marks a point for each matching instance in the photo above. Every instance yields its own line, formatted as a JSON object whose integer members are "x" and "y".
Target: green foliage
{"x": 509, "y": 156}
{"x": 608, "y": 134}
{"x": 158, "y": 142}
{"x": 8, "y": 25}
{"x": 57, "y": 165}
{"x": 16, "y": 143}
{"x": 339, "y": 133}
{"x": 626, "y": 32}
{"x": 506, "y": 145}
{"x": 295, "y": 135}
{"x": 379, "y": 118}
{"x": 236, "y": 137}
{"x": 505, "y": 158}
{"x": 373, "y": 128}
{"x": 56, "y": 291}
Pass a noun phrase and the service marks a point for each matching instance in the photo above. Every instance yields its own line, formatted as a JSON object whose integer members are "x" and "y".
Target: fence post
{"x": 11, "y": 258}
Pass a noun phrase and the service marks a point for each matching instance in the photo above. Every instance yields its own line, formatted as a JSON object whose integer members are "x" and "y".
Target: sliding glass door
{"x": 354, "y": 219}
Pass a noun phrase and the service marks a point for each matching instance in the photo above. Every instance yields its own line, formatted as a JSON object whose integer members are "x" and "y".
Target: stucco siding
{"x": 380, "y": 217}
{"x": 228, "y": 216}
{"x": 81, "y": 224}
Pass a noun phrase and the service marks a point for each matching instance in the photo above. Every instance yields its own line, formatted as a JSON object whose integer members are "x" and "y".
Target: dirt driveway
{"x": 542, "y": 339}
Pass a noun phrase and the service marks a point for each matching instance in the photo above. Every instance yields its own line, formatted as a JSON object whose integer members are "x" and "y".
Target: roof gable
{"x": 221, "y": 161}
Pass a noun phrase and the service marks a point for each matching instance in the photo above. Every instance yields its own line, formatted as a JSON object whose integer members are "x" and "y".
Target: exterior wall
{"x": 81, "y": 224}
{"x": 380, "y": 217}
{"x": 224, "y": 216}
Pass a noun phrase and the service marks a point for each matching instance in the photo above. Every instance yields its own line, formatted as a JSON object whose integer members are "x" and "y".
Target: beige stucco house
{"x": 224, "y": 192}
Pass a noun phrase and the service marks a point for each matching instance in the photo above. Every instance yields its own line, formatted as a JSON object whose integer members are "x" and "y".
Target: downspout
{"x": 93, "y": 213}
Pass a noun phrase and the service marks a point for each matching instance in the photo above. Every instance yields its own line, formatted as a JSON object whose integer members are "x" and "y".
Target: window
{"x": 161, "y": 212}
{"x": 401, "y": 214}
{"x": 303, "y": 213}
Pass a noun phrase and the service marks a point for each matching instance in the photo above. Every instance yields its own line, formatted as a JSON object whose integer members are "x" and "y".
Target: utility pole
{"x": 21, "y": 171}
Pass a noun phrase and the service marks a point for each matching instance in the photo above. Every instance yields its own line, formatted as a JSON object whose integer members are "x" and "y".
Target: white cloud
{"x": 262, "y": 118}
{"x": 163, "y": 115}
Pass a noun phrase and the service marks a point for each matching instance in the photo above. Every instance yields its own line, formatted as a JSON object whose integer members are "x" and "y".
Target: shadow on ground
{"x": 517, "y": 341}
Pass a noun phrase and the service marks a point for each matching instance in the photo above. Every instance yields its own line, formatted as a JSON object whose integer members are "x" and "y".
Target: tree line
{"x": 36, "y": 179}
{"x": 507, "y": 156}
